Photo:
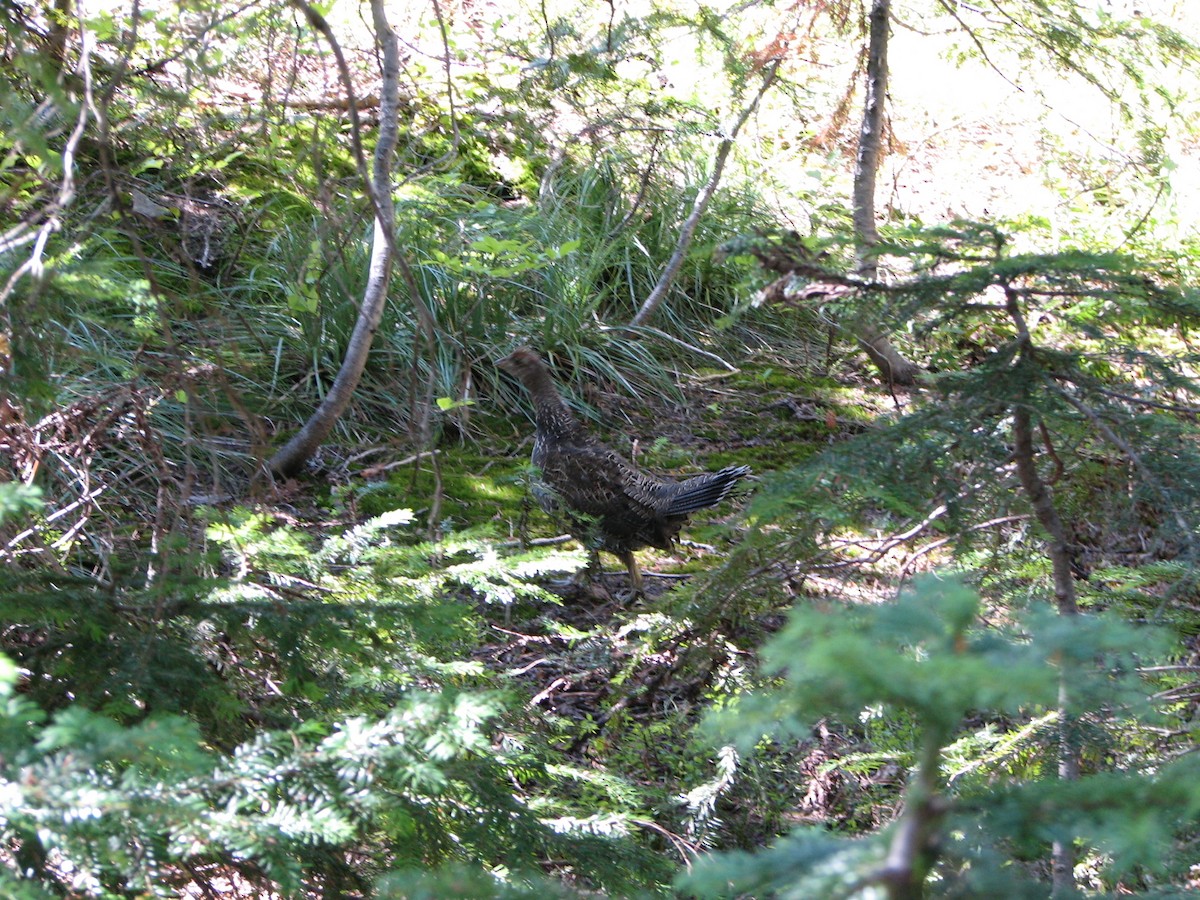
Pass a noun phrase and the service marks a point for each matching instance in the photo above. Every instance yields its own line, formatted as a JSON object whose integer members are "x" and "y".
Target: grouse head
{"x": 524, "y": 364}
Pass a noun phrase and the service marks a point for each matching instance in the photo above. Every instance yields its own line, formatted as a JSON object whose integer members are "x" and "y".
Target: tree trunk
{"x": 296, "y": 452}
{"x": 913, "y": 848}
{"x": 892, "y": 365}
{"x": 1062, "y": 854}
{"x": 730, "y": 134}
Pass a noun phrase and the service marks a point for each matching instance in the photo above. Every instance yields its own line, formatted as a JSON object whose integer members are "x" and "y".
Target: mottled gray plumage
{"x": 610, "y": 504}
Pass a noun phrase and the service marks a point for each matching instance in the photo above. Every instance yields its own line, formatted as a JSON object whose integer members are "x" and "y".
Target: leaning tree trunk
{"x": 729, "y": 135}
{"x": 296, "y": 452}
{"x": 894, "y": 368}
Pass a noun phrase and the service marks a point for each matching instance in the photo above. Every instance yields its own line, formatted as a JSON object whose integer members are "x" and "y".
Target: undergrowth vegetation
{"x": 944, "y": 645}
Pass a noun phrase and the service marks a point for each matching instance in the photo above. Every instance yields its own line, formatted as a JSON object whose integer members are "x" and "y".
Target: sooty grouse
{"x": 610, "y": 504}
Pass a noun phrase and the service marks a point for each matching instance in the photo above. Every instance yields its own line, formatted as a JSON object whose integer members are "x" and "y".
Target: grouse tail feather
{"x": 702, "y": 491}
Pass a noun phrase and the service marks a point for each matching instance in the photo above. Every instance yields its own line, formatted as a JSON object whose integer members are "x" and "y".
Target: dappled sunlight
{"x": 875, "y": 371}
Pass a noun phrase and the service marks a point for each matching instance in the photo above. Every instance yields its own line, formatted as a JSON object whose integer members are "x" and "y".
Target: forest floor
{"x": 618, "y": 668}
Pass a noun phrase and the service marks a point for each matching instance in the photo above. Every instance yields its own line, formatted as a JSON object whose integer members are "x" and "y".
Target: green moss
{"x": 474, "y": 488}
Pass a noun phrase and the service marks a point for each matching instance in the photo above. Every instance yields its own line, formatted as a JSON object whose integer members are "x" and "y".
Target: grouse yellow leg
{"x": 635, "y": 574}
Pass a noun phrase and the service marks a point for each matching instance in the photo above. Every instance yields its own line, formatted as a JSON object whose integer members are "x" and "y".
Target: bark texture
{"x": 892, "y": 365}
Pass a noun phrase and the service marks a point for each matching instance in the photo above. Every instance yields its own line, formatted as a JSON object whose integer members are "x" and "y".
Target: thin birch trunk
{"x": 296, "y": 452}
{"x": 688, "y": 230}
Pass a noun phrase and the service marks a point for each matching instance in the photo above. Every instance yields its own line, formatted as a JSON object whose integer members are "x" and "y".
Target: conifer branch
{"x": 1186, "y": 532}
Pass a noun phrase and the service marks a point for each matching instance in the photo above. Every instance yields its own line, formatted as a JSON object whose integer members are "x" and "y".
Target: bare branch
{"x": 51, "y": 216}
{"x": 1135, "y": 459}
{"x": 451, "y": 111}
